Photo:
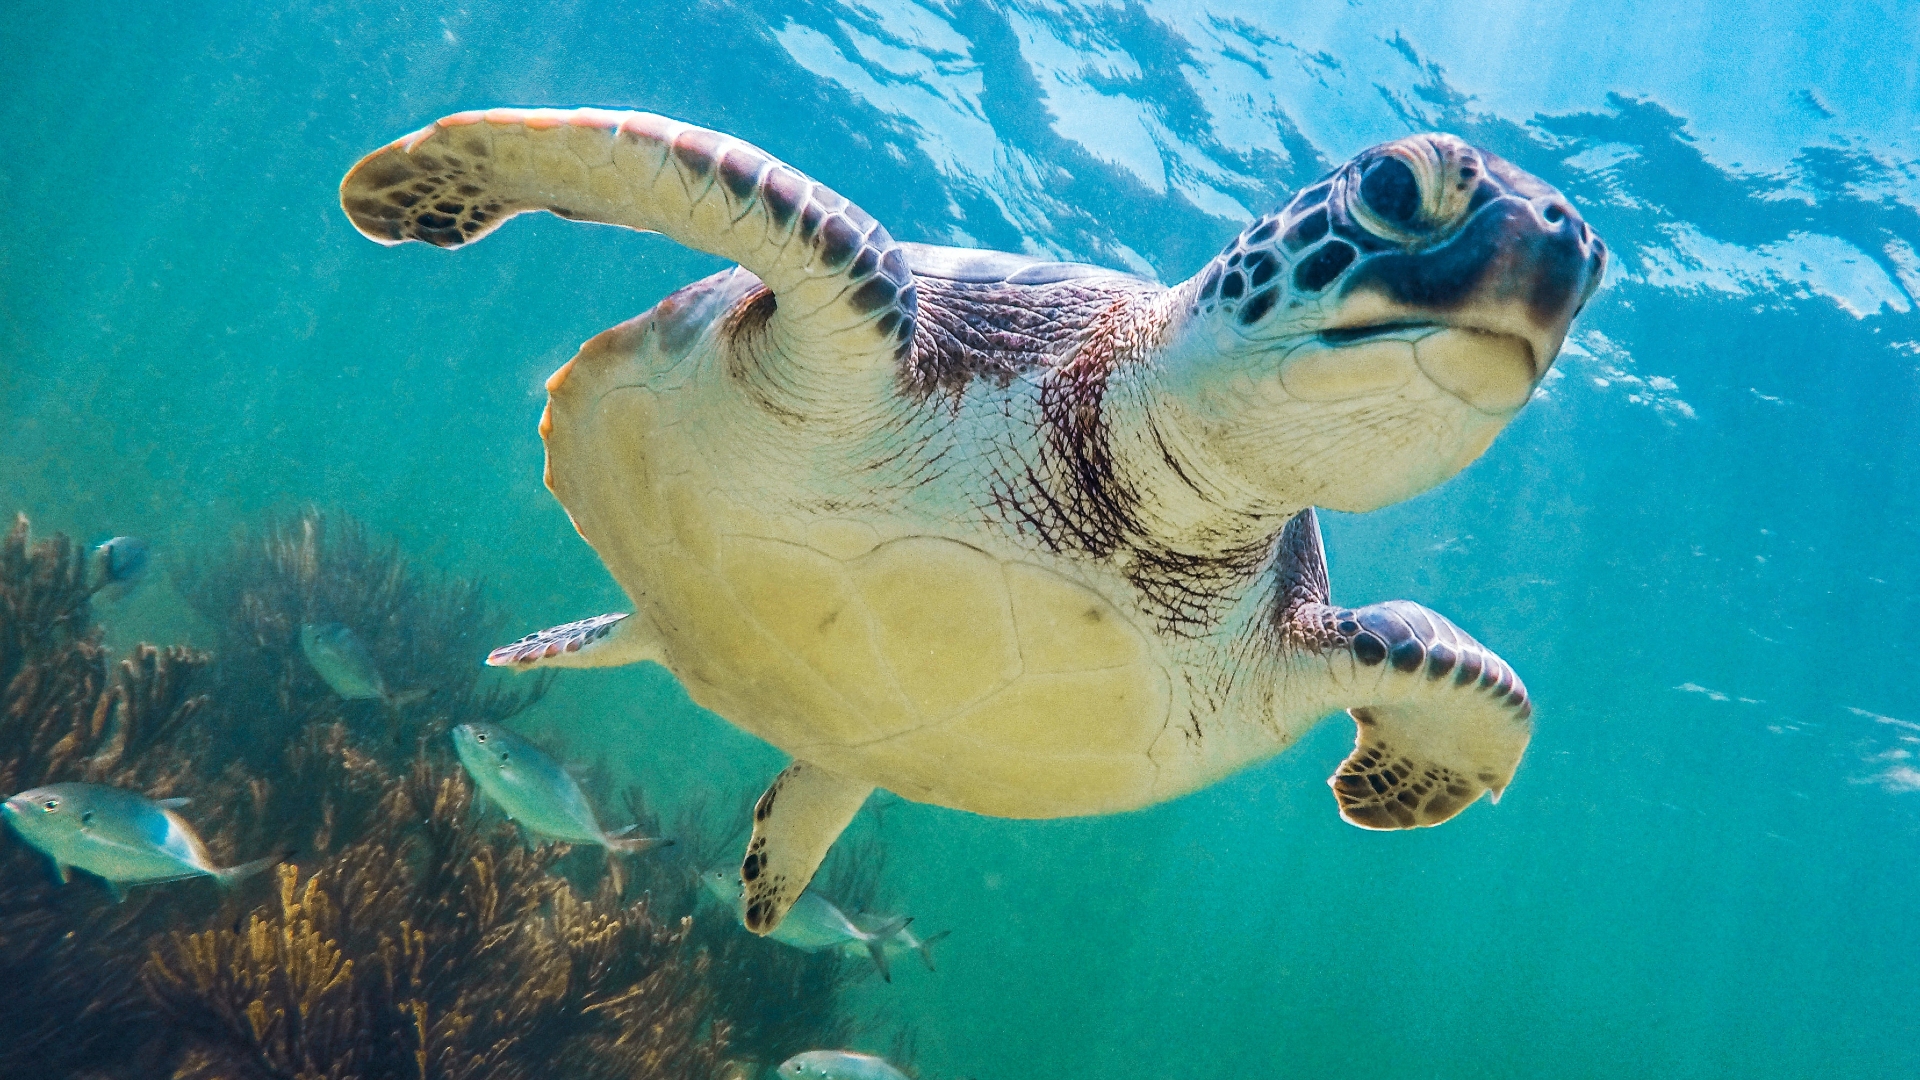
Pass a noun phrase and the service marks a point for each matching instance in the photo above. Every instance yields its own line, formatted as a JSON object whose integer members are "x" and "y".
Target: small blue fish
{"x": 814, "y": 923}
{"x": 837, "y": 1065}
{"x": 118, "y": 836}
{"x": 342, "y": 661}
{"x": 121, "y": 560}
{"x": 538, "y": 794}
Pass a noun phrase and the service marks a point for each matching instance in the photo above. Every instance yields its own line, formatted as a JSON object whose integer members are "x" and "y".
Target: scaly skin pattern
{"x": 1024, "y": 539}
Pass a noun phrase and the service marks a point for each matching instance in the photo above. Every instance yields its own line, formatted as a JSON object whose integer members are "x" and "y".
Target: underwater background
{"x": 1700, "y": 544}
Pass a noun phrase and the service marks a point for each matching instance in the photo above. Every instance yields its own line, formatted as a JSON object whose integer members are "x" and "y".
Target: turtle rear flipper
{"x": 603, "y": 641}
{"x": 797, "y": 819}
{"x": 845, "y": 294}
{"x": 1442, "y": 720}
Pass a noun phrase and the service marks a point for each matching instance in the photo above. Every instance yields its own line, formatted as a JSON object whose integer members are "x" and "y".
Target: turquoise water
{"x": 1697, "y": 545}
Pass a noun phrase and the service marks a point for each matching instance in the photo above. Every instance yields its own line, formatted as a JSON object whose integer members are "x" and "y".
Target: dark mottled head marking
{"x": 1311, "y": 197}
{"x": 1256, "y": 309}
{"x": 1307, "y": 231}
{"x": 1323, "y": 266}
{"x": 1261, "y": 266}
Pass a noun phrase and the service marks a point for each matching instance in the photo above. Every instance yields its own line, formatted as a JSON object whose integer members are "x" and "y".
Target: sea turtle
{"x": 1018, "y": 537}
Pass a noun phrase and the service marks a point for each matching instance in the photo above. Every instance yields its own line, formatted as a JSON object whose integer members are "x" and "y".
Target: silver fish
{"x": 903, "y": 940}
{"x": 121, "y": 559}
{"x": 118, "y": 836}
{"x": 343, "y": 663}
{"x": 814, "y": 923}
{"x": 538, "y": 794}
{"x": 118, "y": 564}
{"x": 837, "y": 1065}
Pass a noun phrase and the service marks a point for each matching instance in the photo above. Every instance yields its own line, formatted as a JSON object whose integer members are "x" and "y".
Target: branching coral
{"x": 413, "y": 938}
{"x": 70, "y": 957}
{"x": 423, "y": 634}
{"x": 454, "y": 954}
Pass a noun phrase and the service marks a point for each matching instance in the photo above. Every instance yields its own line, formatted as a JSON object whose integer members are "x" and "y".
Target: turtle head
{"x": 1369, "y": 340}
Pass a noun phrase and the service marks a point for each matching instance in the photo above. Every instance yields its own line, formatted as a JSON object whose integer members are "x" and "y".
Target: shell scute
{"x": 807, "y": 601}
{"x": 922, "y": 588}
{"x": 1094, "y": 713}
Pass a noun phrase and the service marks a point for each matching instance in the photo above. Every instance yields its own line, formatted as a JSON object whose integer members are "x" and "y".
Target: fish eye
{"x": 50, "y": 805}
{"x": 86, "y": 818}
{"x": 481, "y": 737}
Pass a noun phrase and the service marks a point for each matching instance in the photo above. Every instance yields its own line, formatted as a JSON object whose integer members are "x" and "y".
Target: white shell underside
{"x": 925, "y": 662}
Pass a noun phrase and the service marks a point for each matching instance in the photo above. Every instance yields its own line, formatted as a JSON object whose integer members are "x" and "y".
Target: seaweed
{"x": 408, "y": 936}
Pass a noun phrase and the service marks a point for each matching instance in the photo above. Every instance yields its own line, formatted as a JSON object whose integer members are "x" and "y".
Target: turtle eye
{"x": 1391, "y": 191}
{"x": 50, "y": 805}
{"x": 86, "y": 818}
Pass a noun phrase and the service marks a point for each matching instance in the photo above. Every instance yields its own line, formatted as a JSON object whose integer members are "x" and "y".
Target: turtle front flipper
{"x": 603, "y": 641}
{"x": 845, "y": 297}
{"x": 1441, "y": 718}
{"x": 797, "y": 819}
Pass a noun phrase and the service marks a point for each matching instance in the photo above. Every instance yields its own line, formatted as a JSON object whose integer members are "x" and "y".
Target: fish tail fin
{"x": 235, "y": 874}
{"x": 406, "y": 697}
{"x": 877, "y": 939}
{"x": 925, "y": 948}
{"x": 622, "y": 844}
{"x": 618, "y": 844}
